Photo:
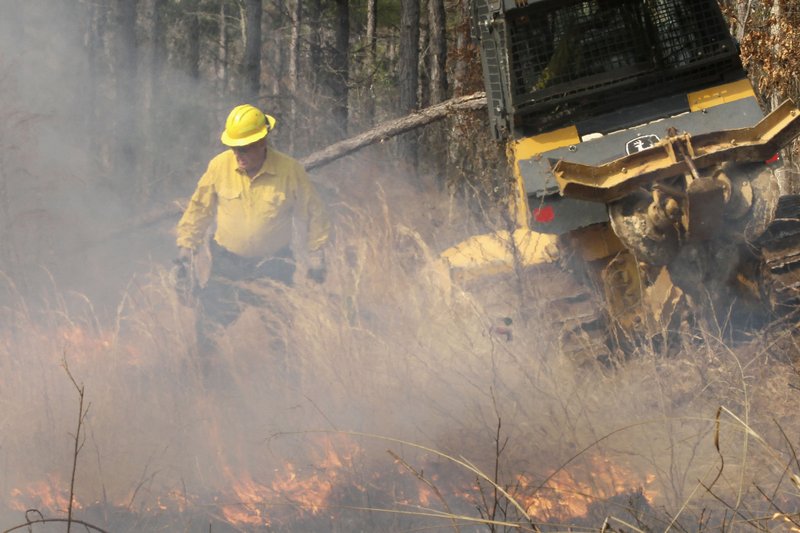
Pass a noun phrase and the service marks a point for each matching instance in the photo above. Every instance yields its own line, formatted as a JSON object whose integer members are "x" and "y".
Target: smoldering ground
{"x": 387, "y": 355}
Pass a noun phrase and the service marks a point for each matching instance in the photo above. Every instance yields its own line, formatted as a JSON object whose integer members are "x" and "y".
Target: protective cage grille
{"x": 618, "y": 52}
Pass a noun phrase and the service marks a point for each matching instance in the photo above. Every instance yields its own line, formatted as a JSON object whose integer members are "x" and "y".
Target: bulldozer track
{"x": 568, "y": 306}
{"x": 780, "y": 249}
{"x": 555, "y": 302}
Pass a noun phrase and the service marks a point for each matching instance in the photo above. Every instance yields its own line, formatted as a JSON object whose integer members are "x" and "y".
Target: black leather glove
{"x": 317, "y": 274}
{"x": 182, "y": 279}
{"x": 316, "y": 266}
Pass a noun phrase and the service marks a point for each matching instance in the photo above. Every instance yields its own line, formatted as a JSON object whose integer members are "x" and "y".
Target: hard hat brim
{"x": 227, "y": 140}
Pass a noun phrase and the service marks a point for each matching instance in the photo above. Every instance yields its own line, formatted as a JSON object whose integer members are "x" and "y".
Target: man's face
{"x": 251, "y": 157}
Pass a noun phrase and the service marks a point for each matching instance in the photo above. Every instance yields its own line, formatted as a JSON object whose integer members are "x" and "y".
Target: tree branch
{"x": 392, "y": 128}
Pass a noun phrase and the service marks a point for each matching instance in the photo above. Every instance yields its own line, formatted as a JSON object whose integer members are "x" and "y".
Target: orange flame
{"x": 43, "y": 495}
{"x": 84, "y": 346}
{"x": 307, "y": 492}
{"x": 249, "y": 509}
{"x": 568, "y": 494}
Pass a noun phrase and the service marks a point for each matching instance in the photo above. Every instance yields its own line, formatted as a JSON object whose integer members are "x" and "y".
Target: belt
{"x": 225, "y": 263}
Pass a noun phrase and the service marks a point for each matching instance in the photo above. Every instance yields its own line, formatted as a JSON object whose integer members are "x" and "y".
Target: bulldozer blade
{"x": 706, "y": 207}
{"x": 677, "y": 155}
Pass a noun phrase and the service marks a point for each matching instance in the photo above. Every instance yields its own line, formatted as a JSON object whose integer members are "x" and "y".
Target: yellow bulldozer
{"x": 647, "y": 176}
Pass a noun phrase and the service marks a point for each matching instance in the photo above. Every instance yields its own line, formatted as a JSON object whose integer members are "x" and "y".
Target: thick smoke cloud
{"x": 56, "y": 209}
{"x": 72, "y": 204}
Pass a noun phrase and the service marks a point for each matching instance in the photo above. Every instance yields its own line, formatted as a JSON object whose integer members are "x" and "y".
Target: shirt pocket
{"x": 271, "y": 203}
{"x": 230, "y": 203}
{"x": 229, "y": 191}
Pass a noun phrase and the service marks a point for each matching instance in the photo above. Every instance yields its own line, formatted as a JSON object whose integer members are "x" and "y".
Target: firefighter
{"x": 255, "y": 196}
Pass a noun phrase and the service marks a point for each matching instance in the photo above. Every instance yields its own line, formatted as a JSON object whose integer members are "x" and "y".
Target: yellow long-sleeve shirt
{"x": 254, "y": 215}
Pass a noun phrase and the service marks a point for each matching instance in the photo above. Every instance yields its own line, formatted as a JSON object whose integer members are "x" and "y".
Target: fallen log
{"x": 392, "y": 128}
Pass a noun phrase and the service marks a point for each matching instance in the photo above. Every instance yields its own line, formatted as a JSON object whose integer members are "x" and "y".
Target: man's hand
{"x": 185, "y": 254}
{"x": 317, "y": 274}
{"x": 316, "y": 266}
{"x": 182, "y": 276}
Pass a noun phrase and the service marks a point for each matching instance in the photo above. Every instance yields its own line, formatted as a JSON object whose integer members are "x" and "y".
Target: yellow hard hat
{"x": 245, "y": 125}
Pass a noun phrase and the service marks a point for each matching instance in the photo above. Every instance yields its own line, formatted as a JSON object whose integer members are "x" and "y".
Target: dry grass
{"x": 387, "y": 347}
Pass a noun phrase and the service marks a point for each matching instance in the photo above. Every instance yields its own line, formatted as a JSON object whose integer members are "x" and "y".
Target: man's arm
{"x": 198, "y": 217}
{"x": 191, "y": 230}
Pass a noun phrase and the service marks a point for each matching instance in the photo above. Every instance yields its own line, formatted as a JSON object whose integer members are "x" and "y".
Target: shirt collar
{"x": 269, "y": 166}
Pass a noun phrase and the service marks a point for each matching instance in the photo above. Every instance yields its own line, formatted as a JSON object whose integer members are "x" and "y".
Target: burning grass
{"x": 311, "y": 391}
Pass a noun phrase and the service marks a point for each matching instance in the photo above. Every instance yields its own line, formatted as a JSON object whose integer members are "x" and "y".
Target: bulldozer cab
{"x": 587, "y": 81}
{"x": 553, "y": 63}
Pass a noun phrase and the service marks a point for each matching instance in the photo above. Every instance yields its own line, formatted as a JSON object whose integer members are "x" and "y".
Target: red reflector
{"x": 773, "y": 159}
{"x": 544, "y": 214}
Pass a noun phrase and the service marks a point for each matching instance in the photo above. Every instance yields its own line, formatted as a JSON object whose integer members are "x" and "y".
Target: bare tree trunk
{"x": 159, "y": 50}
{"x": 471, "y": 154}
{"x": 742, "y": 16}
{"x": 437, "y": 50}
{"x": 437, "y": 79}
{"x": 98, "y": 16}
{"x": 369, "y": 60}
{"x": 222, "y": 54}
{"x": 409, "y": 73}
{"x": 462, "y": 45}
{"x": 315, "y": 43}
{"x": 423, "y": 79}
{"x": 251, "y": 62}
{"x": 154, "y": 52}
{"x": 274, "y": 64}
{"x": 126, "y": 125}
{"x": 786, "y": 181}
{"x": 192, "y": 23}
{"x": 341, "y": 66}
{"x": 775, "y": 12}
{"x": 294, "y": 54}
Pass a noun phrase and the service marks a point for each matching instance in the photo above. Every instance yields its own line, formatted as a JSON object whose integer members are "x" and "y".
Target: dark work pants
{"x": 222, "y": 299}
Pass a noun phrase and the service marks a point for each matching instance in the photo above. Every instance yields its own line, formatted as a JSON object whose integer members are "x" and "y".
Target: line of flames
{"x": 566, "y": 495}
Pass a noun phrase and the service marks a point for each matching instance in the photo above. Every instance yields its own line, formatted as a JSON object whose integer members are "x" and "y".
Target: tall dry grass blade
{"x": 686, "y": 502}
{"x": 434, "y": 514}
{"x": 750, "y": 431}
{"x": 427, "y": 482}
{"x": 626, "y": 524}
